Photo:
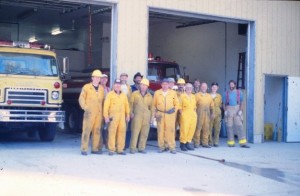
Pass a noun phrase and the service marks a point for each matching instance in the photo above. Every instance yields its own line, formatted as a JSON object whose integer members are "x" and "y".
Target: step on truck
{"x": 30, "y": 89}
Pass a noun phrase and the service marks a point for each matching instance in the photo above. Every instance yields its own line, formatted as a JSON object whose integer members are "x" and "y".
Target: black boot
{"x": 183, "y": 147}
{"x": 189, "y": 146}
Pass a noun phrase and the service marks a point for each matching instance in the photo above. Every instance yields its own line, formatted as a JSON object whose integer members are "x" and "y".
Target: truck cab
{"x": 30, "y": 89}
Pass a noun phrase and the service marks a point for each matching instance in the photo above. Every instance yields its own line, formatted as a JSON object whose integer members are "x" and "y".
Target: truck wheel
{"x": 73, "y": 119}
{"x": 47, "y": 132}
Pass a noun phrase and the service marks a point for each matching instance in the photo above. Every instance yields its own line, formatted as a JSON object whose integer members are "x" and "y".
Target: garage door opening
{"x": 74, "y": 29}
{"x": 77, "y": 30}
{"x": 207, "y": 48}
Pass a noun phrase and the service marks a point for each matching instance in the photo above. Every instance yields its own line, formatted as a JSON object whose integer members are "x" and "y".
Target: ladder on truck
{"x": 241, "y": 71}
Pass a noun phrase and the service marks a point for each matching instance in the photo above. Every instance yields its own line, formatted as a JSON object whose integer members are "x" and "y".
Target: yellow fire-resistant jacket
{"x": 90, "y": 100}
{"x": 164, "y": 103}
{"x": 116, "y": 105}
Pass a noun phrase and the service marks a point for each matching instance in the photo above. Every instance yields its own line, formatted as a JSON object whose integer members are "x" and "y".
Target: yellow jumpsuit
{"x": 188, "y": 117}
{"x": 165, "y": 122}
{"x": 141, "y": 107}
{"x": 205, "y": 105}
{"x": 91, "y": 102}
{"x": 116, "y": 108}
{"x": 215, "y": 123}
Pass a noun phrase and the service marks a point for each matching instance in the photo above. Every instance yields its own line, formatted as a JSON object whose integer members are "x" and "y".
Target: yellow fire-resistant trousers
{"x": 117, "y": 133}
{"x": 166, "y": 130}
{"x": 188, "y": 121}
{"x": 91, "y": 124}
{"x": 215, "y": 127}
{"x": 202, "y": 128}
{"x": 139, "y": 133}
{"x": 234, "y": 121}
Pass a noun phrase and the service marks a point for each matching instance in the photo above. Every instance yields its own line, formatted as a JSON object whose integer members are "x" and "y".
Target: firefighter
{"x": 196, "y": 86}
{"x": 137, "y": 78}
{"x": 165, "y": 106}
{"x": 180, "y": 85}
{"x": 116, "y": 112}
{"x": 172, "y": 84}
{"x": 232, "y": 103}
{"x": 141, "y": 113}
{"x": 126, "y": 89}
{"x": 91, "y": 101}
{"x": 103, "y": 82}
{"x": 215, "y": 123}
{"x": 205, "y": 106}
{"x": 188, "y": 118}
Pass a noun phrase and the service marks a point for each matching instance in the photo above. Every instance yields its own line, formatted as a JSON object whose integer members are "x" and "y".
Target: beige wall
{"x": 277, "y": 36}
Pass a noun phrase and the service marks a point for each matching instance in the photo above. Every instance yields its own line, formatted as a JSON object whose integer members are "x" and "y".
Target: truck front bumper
{"x": 31, "y": 115}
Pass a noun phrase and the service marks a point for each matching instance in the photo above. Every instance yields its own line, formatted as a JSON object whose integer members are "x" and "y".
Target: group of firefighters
{"x": 190, "y": 107}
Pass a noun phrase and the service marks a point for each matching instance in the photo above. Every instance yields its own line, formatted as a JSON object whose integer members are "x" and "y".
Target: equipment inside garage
{"x": 78, "y": 31}
{"x": 208, "y": 50}
{"x": 75, "y": 30}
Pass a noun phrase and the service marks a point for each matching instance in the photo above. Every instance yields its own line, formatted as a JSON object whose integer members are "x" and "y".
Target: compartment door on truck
{"x": 293, "y": 109}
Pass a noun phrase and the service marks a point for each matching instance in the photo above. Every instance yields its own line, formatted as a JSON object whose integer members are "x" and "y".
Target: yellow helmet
{"x": 180, "y": 81}
{"x": 145, "y": 81}
{"x": 97, "y": 73}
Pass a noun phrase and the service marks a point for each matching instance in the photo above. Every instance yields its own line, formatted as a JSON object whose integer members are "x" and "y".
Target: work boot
{"x": 183, "y": 147}
{"x": 142, "y": 151}
{"x": 83, "y": 153}
{"x": 132, "y": 151}
{"x": 245, "y": 146}
{"x": 121, "y": 153}
{"x": 206, "y": 146}
{"x": 216, "y": 145}
{"x": 231, "y": 145}
{"x": 189, "y": 146}
{"x": 161, "y": 150}
{"x": 97, "y": 152}
{"x": 111, "y": 153}
{"x": 173, "y": 151}
{"x": 196, "y": 145}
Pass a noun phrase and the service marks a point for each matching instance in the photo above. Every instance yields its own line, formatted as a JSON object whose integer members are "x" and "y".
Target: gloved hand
{"x": 171, "y": 111}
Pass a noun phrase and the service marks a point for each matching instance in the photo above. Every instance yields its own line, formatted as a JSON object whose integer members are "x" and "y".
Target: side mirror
{"x": 65, "y": 65}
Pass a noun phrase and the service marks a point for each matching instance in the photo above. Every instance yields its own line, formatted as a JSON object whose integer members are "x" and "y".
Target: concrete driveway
{"x": 31, "y": 167}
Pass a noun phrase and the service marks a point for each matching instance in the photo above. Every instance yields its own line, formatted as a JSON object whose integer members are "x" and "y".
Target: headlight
{"x": 55, "y": 95}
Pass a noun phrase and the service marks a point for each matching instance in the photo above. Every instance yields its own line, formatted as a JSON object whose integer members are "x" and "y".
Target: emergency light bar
{"x": 19, "y": 44}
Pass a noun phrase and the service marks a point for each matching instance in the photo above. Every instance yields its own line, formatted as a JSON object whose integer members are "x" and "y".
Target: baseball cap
{"x": 118, "y": 81}
{"x": 171, "y": 80}
{"x": 165, "y": 80}
{"x": 104, "y": 76}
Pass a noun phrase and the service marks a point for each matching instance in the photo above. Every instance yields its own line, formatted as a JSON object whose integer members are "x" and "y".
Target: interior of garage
{"x": 76, "y": 30}
{"x": 207, "y": 50}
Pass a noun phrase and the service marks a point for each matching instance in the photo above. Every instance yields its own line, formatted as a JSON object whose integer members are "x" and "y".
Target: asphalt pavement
{"x": 31, "y": 167}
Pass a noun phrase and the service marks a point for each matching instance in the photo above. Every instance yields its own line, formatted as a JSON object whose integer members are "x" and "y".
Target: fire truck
{"x": 30, "y": 89}
{"x": 157, "y": 70}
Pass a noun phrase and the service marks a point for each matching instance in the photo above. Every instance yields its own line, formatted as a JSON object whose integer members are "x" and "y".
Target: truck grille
{"x": 26, "y": 96}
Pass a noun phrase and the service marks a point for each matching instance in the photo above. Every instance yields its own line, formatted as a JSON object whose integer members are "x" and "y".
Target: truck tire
{"x": 72, "y": 120}
{"x": 47, "y": 132}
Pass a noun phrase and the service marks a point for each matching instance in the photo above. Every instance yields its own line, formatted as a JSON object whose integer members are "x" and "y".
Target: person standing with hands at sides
{"x": 188, "y": 118}
{"x": 233, "y": 106}
{"x": 141, "y": 113}
{"x": 205, "y": 108}
{"x": 215, "y": 123}
{"x": 91, "y": 101}
{"x": 165, "y": 106}
{"x": 116, "y": 112}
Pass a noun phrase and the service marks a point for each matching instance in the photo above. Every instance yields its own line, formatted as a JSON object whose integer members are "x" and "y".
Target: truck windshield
{"x": 27, "y": 64}
{"x": 158, "y": 71}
